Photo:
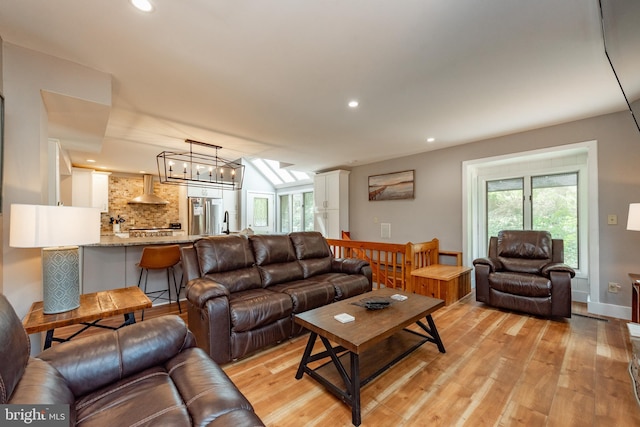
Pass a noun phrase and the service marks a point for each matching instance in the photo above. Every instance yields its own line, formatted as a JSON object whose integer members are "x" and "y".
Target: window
{"x": 296, "y": 212}
{"x": 261, "y": 212}
{"x": 541, "y": 202}
{"x": 505, "y": 205}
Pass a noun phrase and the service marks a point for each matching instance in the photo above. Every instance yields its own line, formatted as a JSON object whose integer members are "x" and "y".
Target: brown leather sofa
{"x": 243, "y": 291}
{"x": 525, "y": 271}
{"x": 149, "y": 373}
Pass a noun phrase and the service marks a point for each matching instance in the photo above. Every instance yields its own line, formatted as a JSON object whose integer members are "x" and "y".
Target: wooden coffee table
{"x": 373, "y": 342}
{"x": 93, "y": 308}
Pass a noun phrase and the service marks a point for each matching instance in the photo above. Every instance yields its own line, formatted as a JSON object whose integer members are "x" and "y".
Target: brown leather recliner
{"x": 525, "y": 271}
{"x": 149, "y": 373}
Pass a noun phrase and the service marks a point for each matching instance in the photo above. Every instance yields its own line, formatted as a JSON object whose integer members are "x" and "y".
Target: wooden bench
{"x": 427, "y": 275}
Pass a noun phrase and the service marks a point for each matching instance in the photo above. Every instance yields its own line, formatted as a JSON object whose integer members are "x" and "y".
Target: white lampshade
{"x": 58, "y": 230}
{"x": 42, "y": 226}
{"x": 633, "y": 221}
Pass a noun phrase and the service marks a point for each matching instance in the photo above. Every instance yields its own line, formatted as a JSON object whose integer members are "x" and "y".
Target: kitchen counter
{"x": 113, "y": 263}
{"x": 144, "y": 241}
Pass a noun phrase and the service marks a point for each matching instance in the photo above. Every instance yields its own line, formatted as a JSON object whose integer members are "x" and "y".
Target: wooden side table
{"x": 93, "y": 308}
{"x": 635, "y": 309}
{"x": 446, "y": 282}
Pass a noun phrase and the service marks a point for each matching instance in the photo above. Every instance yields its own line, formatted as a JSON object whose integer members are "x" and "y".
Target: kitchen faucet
{"x": 226, "y": 220}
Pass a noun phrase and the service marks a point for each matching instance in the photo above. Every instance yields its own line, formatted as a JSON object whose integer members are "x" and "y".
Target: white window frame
{"x": 586, "y": 285}
{"x": 288, "y": 192}
{"x": 527, "y": 174}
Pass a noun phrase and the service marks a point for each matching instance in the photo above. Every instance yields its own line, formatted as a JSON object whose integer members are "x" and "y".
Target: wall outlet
{"x": 614, "y": 287}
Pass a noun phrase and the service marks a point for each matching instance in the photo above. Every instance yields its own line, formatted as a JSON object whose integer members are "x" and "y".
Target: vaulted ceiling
{"x": 272, "y": 79}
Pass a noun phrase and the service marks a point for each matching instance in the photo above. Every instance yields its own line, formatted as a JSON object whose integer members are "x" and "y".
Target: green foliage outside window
{"x": 553, "y": 207}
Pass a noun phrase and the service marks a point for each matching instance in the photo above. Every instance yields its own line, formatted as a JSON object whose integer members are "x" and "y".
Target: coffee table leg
{"x": 307, "y": 353}
{"x": 434, "y": 333}
{"x": 355, "y": 389}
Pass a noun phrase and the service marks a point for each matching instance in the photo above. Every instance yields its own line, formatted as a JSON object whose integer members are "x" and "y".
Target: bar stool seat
{"x": 160, "y": 258}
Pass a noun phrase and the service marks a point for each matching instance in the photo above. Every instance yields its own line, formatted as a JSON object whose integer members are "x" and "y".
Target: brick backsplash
{"x": 122, "y": 189}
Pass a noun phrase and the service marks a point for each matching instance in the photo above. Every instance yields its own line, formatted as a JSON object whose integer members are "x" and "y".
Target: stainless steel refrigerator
{"x": 205, "y": 216}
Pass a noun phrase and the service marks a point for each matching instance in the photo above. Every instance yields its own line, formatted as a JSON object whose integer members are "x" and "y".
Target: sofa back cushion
{"x": 229, "y": 261}
{"x": 313, "y": 252}
{"x": 275, "y": 258}
{"x": 14, "y": 349}
{"x": 524, "y": 251}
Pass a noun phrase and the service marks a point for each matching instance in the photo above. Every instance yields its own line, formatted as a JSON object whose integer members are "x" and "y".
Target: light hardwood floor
{"x": 500, "y": 369}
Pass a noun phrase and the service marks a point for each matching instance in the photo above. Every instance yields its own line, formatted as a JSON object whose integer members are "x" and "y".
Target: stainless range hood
{"x": 147, "y": 197}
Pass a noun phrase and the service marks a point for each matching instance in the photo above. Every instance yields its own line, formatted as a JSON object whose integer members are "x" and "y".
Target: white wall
{"x": 25, "y": 74}
{"x": 436, "y": 210}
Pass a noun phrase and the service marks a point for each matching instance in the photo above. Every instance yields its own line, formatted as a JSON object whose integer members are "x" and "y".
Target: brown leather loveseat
{"x": 149, "y": 373}
{"x": 525, "y": 271}
{"x": 243, "y": 291}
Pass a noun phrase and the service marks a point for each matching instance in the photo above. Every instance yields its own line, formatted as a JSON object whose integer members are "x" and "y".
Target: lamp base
{"x": 60, "y": 279}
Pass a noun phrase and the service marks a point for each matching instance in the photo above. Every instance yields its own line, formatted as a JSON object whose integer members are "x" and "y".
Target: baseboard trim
{"x": 609, "y": 310}
{"x": 580, "y": 296}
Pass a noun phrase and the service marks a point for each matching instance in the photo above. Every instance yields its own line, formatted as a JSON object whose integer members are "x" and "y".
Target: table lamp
{"x": 633, "y": 220}
{"x": 58, "y": 230}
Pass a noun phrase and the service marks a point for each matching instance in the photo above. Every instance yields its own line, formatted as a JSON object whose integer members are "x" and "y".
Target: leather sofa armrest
{"x": 190, "y": 266}
{"x": 89, "y": 363}
{"x": 493, "y": 263}
{"x": 199, "y": 291}
{"x": 348, "y": 265}
{"x": 557, "y": 267}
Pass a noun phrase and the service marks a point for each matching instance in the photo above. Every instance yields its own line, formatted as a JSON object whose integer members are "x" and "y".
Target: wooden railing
{"x": 392, "y": 263}
{"x": 387, "y": 260}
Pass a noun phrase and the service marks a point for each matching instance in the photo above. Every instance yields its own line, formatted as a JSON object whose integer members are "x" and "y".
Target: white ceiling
{"x": 272, "y": 78}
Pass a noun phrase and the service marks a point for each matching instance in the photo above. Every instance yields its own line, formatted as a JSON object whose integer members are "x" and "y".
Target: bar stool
{"x": 160, "y": 258}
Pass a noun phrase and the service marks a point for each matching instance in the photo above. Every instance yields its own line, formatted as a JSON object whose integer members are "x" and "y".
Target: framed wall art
{"x": 392, "y": 186}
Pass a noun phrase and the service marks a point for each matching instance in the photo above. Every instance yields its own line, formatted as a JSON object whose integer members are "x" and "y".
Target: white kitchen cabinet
{"x": 100, "y": 188}
{"x": 197, "y": 191}
{"x": 90, "y": 189}
{"x": 331, "y": 199}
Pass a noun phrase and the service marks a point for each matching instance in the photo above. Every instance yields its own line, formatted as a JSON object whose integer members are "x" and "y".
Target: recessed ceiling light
{"x": 430, "y": 139}
{"x": 91, "y": 161}
{"x": 353, "y": 103}
{"x": 143, "y": 5}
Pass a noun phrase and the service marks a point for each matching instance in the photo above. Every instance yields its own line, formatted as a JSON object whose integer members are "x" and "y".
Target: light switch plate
{"x": 385, "y": 230}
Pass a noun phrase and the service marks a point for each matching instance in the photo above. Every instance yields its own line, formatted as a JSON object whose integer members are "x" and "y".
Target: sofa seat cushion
{"x": 346, "y": 285}
{"x": 255, "y": 308}
{"x": 190, "y": 388}
{"x": 526, "y": 285}
{"x": 306, "y": 294}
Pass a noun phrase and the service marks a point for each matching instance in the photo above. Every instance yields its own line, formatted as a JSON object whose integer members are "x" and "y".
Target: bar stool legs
{"x": 160, "y": 258}
{"x": 155, "y": 295}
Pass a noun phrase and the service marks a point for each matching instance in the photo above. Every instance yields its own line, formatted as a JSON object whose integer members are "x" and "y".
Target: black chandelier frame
{"x": 200, "y": 169}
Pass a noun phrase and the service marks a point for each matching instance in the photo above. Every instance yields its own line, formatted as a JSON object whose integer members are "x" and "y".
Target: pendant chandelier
{"x": 198, "y": 169}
